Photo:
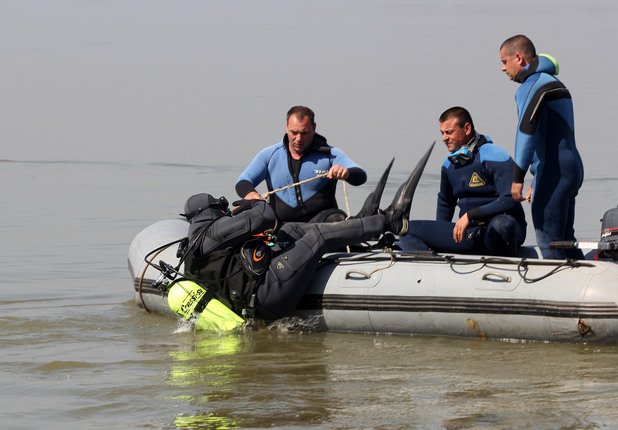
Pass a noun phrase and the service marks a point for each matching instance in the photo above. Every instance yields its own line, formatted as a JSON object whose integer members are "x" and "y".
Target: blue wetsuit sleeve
{"x": 525, "y": 147}
{"x": 529, "y": 135}
{"x": 357, "y": 176}
{"x": 447, "y": 202}
{"x": 254, "y": 173}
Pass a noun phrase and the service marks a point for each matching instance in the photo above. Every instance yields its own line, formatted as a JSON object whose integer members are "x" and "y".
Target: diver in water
{"x": 230, "y": 253}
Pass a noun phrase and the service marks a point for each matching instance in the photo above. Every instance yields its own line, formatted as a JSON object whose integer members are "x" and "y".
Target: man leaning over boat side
{"x": 301, "y": 155}
{"x": 476, "y": 176}
{"x": 545, "y": 144}
{"x": 229, "y": 251}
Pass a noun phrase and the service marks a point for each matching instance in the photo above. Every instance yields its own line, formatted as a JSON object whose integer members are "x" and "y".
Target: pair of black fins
{"x": 398, "y": 213}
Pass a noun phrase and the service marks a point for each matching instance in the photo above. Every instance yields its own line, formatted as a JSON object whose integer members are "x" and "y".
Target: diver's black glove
{"x": 242, "y": 205}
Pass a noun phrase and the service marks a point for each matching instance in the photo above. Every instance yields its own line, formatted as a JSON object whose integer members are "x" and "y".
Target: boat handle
{"x": 491, "y": 276}
{"x": 366, "y": 275}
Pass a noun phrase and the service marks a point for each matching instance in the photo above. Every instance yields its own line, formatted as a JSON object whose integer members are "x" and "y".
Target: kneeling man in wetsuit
{"x": 476, "y": 176}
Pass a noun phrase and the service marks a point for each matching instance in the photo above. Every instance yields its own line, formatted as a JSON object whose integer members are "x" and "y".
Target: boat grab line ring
{"x": 493, "y": 276}
{"x": 366, "y": 275}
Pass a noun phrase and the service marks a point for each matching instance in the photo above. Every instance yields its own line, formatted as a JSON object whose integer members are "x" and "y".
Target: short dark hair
{"x": 519, "y": 43}
{"x": 300, "y": 112}
{"x": 460, "y": 114}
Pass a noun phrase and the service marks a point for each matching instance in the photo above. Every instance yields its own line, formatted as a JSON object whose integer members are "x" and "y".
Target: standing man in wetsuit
{"x": 302, "y": 154}
{"x": 545, "y": 144}
{"x": 476, "y": 176}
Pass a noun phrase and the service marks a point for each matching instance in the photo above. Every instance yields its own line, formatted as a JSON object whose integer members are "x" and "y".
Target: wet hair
{"x": 521, "y": 44}
{"x": 300, "y": 112}
{"x": 460, "y": 114}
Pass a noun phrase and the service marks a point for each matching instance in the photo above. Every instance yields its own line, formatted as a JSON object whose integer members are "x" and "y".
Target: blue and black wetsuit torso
{"x": 276, "y": 166}
{"x": 481, "y": 187}
{"x": 545, "y": 139}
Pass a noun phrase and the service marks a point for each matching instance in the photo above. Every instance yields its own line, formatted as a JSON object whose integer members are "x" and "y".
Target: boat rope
{"x": 149, "y": 263}
{"x": 522, "y": 265}
{"x": 347, "y": 208}
{"x": 346, "y": 199}
{"x": 377, "y": 269}
{"x": 522, "y": 269}
{"x": 266, "y": 195}
{"x": 141, "y": 278}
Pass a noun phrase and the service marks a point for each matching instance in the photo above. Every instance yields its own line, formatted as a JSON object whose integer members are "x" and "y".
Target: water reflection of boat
{"x": 452, "y": 295}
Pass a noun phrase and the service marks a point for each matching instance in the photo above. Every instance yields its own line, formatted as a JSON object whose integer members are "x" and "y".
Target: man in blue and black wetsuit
{"x": 545, "y": 144}
{"x": 301, "y": 155}
{"x": 476, "y": 176}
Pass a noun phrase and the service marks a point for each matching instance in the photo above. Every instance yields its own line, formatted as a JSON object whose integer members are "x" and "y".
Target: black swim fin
{"x": 398, "y": 213}
{"x": 372, "y": 202}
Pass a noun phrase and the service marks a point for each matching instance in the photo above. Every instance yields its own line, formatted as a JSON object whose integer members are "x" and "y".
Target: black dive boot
{"x": 372, "y": 202}
{"x": 397, "y": 215}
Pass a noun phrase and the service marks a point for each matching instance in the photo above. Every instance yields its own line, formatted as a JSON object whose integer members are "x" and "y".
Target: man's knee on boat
{"x": 502, "y": 236}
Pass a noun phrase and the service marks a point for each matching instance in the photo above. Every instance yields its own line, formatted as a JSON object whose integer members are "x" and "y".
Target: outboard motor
{"x": 609, "y": 235}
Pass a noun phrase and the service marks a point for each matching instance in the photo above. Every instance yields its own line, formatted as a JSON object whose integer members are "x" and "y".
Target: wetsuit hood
{"x": 543, "y": 63}
{"x": 201, "y": 210}
{"x": 204, "y": 207}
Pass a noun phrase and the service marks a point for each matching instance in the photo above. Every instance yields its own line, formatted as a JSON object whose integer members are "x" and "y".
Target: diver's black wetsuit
{"x": 278, "y": 290}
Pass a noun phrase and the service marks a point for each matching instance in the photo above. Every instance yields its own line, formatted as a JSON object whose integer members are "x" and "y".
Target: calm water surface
{"x": 148, "y": 99}
{"x": 77, "y": 351}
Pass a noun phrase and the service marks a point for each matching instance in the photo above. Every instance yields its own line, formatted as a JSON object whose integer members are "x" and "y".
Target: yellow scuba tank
{"x": 186, "y": 297}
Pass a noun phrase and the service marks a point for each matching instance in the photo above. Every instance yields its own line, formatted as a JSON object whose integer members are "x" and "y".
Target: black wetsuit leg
{"x": 557, "y": 182}
{"x": 438, "y": 236}
{"x": 290, "y": 272}
{"x": 504, "y": 235}
{"x": 232, "y": 232}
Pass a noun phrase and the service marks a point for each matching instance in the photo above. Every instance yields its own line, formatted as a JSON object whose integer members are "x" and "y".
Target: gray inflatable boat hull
{"x": 447, "y": 295}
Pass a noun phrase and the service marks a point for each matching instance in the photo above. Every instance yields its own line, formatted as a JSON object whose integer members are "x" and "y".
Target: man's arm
{"x": 447, "y": 202}
{"x": 530, "y": 110}
{"x": 355, "y": 174}
{"x": 246, "y": 190}
{"x": 254, "y": 174}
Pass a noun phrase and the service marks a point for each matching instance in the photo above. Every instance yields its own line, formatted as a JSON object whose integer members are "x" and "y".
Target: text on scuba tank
{"x": 191, "y": 300}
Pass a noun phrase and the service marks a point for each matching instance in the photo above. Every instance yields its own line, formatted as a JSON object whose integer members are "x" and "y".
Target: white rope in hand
{"x": 266, "y": 195}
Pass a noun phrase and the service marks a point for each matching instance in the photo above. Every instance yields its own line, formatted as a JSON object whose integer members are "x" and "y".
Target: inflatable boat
{"x": 389, "y": 291}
